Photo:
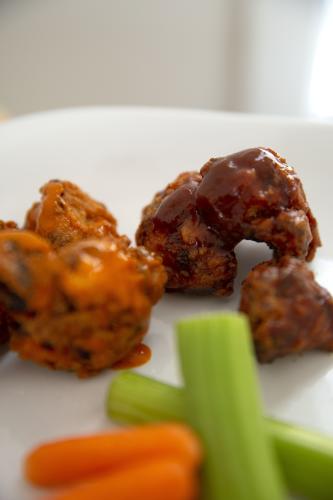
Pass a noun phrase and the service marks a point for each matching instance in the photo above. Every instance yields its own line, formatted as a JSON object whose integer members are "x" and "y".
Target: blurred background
{"x": 263, "y": 56}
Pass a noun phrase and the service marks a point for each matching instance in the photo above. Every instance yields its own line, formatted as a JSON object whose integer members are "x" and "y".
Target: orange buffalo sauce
{"x": 140, "y": 355}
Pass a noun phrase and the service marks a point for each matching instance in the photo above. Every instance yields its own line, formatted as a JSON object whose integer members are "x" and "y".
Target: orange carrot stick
{"x": 58, "y": 462}
{"x": 163, "y": 479}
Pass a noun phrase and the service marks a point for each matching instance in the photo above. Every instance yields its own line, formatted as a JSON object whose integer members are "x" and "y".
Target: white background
{"x": 247, "y": 55}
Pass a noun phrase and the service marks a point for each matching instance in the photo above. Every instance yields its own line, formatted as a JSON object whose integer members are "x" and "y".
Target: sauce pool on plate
{"x": 140, "y": 355}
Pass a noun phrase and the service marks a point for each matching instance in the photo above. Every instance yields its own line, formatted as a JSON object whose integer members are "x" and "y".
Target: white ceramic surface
{"x": 122, "y": 156}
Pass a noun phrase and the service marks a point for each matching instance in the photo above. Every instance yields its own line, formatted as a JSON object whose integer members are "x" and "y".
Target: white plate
{"x": 122, "y": 156}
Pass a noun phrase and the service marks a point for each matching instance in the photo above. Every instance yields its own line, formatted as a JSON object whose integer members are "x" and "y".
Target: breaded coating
{"x": 7, "y": 225}
{"x": 256, "y": 195}
{"x": 66, "y": 214}
{"x": 288, "y": 311}
{"x": 5, "y": 325}
{"x": 196, "y": 222}
{"x": 82, "y": 308}
{"x": 5, "y": 321}
{"x": 192, "y": 252}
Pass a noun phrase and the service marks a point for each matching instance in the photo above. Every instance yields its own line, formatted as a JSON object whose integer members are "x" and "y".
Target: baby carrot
{"x": 68, "y": 460}
{"x": 161, "y": 479}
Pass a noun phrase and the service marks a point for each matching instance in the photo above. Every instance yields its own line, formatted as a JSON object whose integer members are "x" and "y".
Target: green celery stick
{"x": 224, "y": 407}
{"x": 136, "y": 399}
{"x": 306, "y": 457}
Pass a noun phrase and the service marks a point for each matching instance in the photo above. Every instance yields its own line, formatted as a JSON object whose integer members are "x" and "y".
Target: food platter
{"x": 122, "y": 156}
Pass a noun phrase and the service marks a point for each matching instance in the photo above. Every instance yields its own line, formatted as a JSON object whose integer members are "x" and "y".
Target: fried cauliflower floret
{"x": 5, "y": 325}
{"x": 256, "y": 195}
{"x": 196, "y": 222}
{"x": 7, "y": 225}
{"x": 192, "y": 253}
{"x": 5, "y": 321}
{"x": 288, "y": 311}
{"x": 66, "y": 214}
{"x": 80, "y": 309}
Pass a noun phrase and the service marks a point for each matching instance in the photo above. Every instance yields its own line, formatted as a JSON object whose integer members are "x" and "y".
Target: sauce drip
{"x": 176, "y": 207}
{"x": 140, "y": 355}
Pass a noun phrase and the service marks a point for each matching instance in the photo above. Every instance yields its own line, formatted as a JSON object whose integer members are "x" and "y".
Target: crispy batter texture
{"x": 7, "y": 225}
{"x": 5, "y": 320}
{"x": 288, "y": 311}
{"x": 66, "y": 214}
{"x": 82, "y": 308}
{"x": 5, "y": 325}
{"x": 196, "y": 222}
{"x": 79, "y": 296}
{"x": 192, "y": 253}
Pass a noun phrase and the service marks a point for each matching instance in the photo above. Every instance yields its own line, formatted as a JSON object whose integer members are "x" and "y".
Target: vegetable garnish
{"x": 154, "y": 479}
{"x": 136, "y": 399}
{"x": 59, "y": 462}
{"x": 224, "y": 407}
{"x": 306, "y": 458}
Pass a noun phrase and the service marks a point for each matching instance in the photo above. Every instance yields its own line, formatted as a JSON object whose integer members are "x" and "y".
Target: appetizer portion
{"x": 256, "y": 195}
{"x": 192, "y": 252}
{"x": 288, "y": 311}
{"x": 7, "y": 225}
{"x": 81, "y": 309}
{"x": 5, "y": 321}
{"x": 66, "y": 214}
{"x": 5, "y": 325}
{"x": 196, "y": 222}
